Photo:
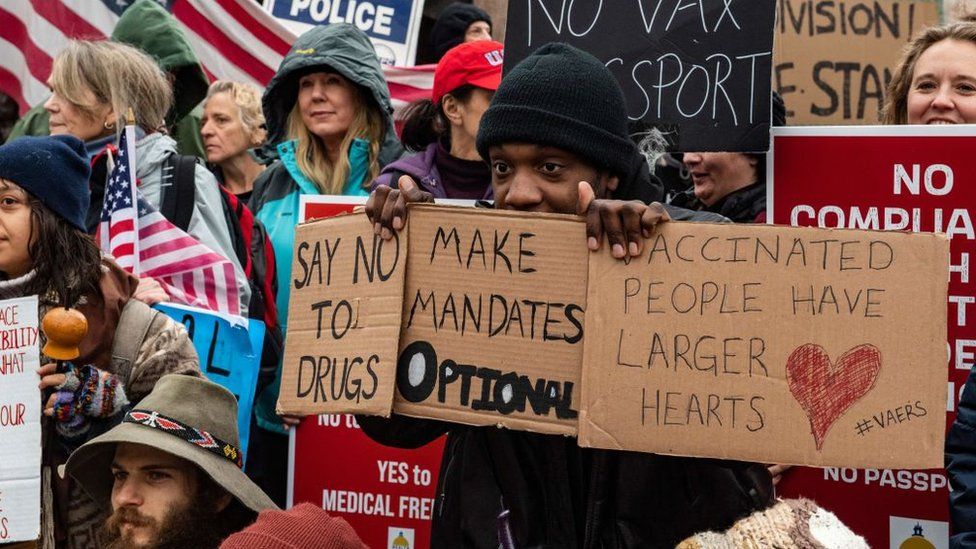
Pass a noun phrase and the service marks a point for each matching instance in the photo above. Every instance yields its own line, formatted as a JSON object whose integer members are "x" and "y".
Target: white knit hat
{"x": 790, "y": 524}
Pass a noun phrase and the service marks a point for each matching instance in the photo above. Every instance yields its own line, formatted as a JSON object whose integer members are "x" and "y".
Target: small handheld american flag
{"x": 146, "y": 244}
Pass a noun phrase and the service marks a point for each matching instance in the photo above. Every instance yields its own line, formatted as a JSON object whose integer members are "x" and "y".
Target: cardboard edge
{"x": 340, "y": 215}
{"x": 513, "y": 214}
{"x": 511, "y": 423}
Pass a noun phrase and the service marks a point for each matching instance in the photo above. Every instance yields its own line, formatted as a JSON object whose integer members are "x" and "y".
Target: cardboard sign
{"x": 765, "y": 324}
{"x": 914, "y": 178}
{"x": 392, "y": 25}
{"x": 833, "y": 60}
{"x": 769, "y": 344}
{"x": 493, "y": 318}
{"x": 20, "y": 421}
{"x": 343, "y": 319}
{"x": 230, "y": 349}
{"x": 698, "y": 70}
{"x": 386, "y": 494}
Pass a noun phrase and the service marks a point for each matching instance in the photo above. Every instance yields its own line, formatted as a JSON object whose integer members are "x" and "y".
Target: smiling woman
{"x": 935, "y": 82}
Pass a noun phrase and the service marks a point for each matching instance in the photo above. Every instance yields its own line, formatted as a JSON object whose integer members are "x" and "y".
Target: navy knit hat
{"x": 452, "y": 24}
{"x": 54, "y": 169}
{"x": 562, "y": 97}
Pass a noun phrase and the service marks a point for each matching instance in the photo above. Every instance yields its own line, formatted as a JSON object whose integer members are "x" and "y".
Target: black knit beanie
{"x": 562, "y": 97}
{"x": 452, "y": 24}
{"x": 54, "y": 169}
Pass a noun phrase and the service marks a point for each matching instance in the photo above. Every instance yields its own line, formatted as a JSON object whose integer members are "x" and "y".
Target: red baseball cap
{"x": 477, "y": 63}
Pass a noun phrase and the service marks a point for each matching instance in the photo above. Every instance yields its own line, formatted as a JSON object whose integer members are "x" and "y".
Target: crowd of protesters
{"x": 551, "y": 136}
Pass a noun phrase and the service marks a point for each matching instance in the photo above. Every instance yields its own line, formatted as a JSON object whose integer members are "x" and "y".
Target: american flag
{"x": 145, "y": 243}
{"x": 234, "y": 40}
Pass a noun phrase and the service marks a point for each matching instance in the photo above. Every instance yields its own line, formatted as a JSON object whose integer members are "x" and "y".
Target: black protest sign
{"x": 343, "y": 319}
{"x": 698, "y": 70}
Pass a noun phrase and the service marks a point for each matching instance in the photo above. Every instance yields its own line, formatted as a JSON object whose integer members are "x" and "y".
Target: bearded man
{"x": 171, "y": 471}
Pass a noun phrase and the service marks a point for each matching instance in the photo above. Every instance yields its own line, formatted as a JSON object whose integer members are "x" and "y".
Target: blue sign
{"x": 230, "y": 354}
{"x": 382, "y": 19}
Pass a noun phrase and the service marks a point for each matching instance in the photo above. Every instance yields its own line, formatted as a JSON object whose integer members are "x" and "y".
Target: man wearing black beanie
{"x": 556, "y": 138}
{"x": 457, "y": 24}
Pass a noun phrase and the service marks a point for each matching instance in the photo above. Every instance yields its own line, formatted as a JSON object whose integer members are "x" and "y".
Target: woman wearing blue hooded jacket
{"x": 330, "y": 121}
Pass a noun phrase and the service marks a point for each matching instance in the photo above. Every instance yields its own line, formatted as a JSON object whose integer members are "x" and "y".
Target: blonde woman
{"x": 93, "y": 84}
{"x": 935, "y": 80}
{"x": 328, "y": 112}
{"x": 232, "y": 124}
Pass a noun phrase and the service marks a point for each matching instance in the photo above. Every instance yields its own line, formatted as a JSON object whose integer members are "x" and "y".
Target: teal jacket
{"x": 345, "y": 49}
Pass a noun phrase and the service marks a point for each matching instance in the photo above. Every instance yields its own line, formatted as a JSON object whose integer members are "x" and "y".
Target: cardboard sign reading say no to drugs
{"x": 791, "y": 345}
{"x": 343, "y": 319}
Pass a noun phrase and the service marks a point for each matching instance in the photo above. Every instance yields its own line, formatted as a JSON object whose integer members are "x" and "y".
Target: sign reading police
{"x": 698, "y": 70}
{"x": 392, "y": 25}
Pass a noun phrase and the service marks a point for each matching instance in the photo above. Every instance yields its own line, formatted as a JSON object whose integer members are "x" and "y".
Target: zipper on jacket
{"x": 594, "y": 505}
{"x": 445, "y": 476}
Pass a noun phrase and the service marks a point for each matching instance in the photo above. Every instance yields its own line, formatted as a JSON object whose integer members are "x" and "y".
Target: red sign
{"x": 386, "y": 494}
{"x": 910, "y": 178}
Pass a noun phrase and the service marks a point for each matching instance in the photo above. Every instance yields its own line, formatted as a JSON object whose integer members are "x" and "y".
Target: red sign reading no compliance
{"x": 910, "y": 178}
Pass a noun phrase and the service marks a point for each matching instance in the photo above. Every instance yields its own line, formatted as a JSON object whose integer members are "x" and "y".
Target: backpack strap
{"x": 178, "y": 189}
{"x": 129, "y": 335}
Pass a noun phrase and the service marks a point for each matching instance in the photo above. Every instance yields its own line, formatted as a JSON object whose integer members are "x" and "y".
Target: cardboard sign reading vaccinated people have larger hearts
{"x": 493, "y": 318}
{"x": 790, "y": 345}
{"x": 343, "y": 319}
{"x": 699, "y": 70}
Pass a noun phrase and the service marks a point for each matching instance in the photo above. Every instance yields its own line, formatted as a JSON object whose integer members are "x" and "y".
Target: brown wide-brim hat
{"x": 170, "y": 418}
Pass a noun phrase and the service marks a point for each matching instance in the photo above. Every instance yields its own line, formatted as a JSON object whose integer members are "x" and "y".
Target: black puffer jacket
{"x": 562, "y": 496}
{"x": 746, "y": 205}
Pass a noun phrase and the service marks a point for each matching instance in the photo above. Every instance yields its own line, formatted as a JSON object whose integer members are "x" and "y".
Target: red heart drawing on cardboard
{"x": 825, "y": 390}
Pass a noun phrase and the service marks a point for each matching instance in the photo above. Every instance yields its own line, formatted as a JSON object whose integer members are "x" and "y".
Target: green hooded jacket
{"x": 345, "y": 49}
{"x": 149, "y": 27}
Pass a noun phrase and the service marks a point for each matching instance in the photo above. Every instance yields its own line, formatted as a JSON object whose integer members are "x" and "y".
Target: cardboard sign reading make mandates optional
{"x": 770, "y": 344}
{"x": 344, "y": 318}
{"x": 493, "y": 318}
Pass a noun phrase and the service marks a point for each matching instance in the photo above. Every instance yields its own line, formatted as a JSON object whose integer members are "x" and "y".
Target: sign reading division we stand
{"x": 833, "y": 60}
{"x": 698, "y": 70}
{"x": 902, "y": 178}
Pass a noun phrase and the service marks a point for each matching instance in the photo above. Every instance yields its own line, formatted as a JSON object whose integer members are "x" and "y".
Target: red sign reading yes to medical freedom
{"x": 908, "y": 178}
{"x": 386, "y": 494}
